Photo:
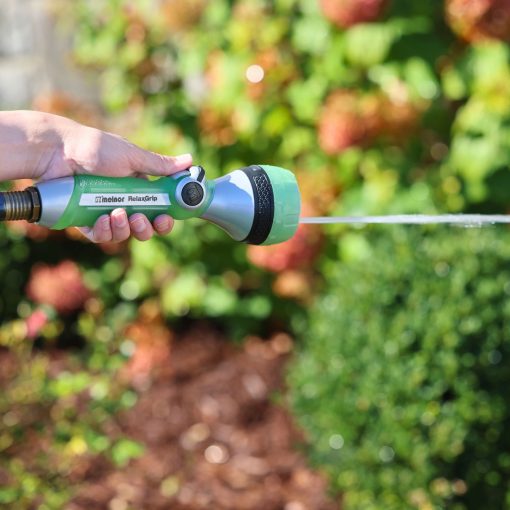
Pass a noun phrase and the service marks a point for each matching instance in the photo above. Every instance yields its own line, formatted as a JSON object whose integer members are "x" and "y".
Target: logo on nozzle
{"x": 102, "y": 199}
{"x": 124, "y": 199}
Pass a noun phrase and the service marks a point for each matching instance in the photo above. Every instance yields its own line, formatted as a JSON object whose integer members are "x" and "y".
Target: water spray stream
{"x": 462, "y": 220}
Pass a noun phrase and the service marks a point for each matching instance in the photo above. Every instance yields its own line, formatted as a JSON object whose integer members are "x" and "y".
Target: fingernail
{"x": 162, "y": 224}
{"x": 183, "y": 158}
{"x": 138, "y": 225}
{"x": 119, "y": 218}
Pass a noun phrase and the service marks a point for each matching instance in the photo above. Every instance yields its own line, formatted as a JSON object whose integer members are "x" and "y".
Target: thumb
{"x": 151, "y": 163}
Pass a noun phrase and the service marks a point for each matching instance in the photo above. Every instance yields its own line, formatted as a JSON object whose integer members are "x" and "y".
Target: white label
{"x": 124, "y": 199}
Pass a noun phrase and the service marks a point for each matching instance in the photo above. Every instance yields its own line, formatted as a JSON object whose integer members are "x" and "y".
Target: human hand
{"x": 89, "y": 150}
{"x": 56, "y": 147}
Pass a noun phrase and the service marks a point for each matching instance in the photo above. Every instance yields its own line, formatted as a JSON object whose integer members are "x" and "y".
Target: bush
{"x": 402, "y": 382}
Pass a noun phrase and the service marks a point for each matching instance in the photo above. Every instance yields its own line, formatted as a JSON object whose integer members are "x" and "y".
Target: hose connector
{"x": 20, "y": 205}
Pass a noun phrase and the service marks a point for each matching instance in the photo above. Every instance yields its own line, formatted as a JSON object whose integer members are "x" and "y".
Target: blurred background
{"x": 356, "y": 368}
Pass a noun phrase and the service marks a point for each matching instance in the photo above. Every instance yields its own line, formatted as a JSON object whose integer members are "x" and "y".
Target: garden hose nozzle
{"x": 258, "y": 204}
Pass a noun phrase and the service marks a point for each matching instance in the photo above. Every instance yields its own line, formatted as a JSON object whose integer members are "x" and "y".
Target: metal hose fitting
{"x": 20, "y": 205}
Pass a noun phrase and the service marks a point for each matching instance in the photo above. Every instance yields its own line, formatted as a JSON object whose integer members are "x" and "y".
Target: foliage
{"x": 402, "y": 380}
{"x": 379, "y": 106}
{"x": 375, "y": 105}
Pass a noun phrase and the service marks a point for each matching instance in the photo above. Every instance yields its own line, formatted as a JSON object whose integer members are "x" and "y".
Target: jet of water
{"x": 463, "y": 220}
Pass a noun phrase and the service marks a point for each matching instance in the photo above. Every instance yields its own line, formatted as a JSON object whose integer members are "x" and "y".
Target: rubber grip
{"x": 94, "y": 196}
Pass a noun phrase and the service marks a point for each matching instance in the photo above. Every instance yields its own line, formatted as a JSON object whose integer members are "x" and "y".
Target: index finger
{"x": 151, "y": 163}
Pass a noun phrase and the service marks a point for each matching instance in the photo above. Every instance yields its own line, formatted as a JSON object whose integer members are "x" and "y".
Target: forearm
{"x": 28, "y": 142}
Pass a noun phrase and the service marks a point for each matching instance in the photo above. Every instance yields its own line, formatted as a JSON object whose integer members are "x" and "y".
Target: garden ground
{"x": 215, "y": 435}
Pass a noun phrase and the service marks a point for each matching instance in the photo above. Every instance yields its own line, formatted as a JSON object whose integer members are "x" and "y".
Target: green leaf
{"x": 475, "y": 158}
{"x": 185, "y": 292}
{"x": 69, "y": 384}
{"x": 8, "y": 495}
{"x": 306, "y": 97}
{"x": 277, "y": 121}
{"x": 454, "y": 84}
{"x": 311, "y": 34}
{"x": 421, "y": 78}
{"x": 368, "y": 44}
{"x": 219, "y": 300}
{"x": 124, "y": 450}
{"x": 298, "y": 140}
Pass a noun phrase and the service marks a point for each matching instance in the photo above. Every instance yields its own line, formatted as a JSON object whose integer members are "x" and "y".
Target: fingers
{"x": 150, "y": 163}
{"x": 118, "y": 227}
{"x": 143, "y": 230}
{"x": 163, "y": 224}
{"x": 101, "y": 232}
{"x": 140, "y": 227}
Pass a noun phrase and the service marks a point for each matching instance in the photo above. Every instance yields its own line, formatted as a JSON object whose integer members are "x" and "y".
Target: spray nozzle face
{"x": 287, "y": 204}
{"x": 258, "y": 204}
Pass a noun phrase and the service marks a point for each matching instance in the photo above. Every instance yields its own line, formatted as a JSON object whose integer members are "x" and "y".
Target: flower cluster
{"x": 60, "y": 286}
{"x": 475, "y": 20}
{"x": 346, "y": 13}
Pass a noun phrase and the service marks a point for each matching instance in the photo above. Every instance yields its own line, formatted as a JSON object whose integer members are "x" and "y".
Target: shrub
{"x": 402, "y": 383}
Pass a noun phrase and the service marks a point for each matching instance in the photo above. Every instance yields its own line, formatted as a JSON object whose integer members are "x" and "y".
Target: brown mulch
{"x": 215, "y": 437}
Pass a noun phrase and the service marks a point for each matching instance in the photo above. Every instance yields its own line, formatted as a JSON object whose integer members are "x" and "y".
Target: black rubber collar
{"x": 3, "y": 212}
{"x": 264, "y": 204}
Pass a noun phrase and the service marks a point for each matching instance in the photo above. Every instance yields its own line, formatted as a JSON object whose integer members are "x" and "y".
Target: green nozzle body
{"x": 259, "y": 204}
{"x": 94, "y": 196}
